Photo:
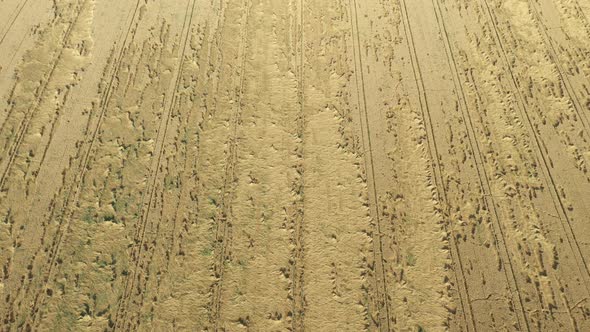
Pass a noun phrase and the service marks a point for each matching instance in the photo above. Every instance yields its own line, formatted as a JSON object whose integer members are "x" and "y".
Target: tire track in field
{"x": 185, "y": 174}
{"x": 298, "y": 269}
{"x": 20, "y": 137}
{"x": 549, "y": 178}
{"x": 51, "y": 135}
{"x": 581, "y": 11}
{"x": 18, "y": 12}
{"x": 13, "y": 148}
{"x": 65, "y": 41}
{"x": 223, "y": 232}
{"x": 483, "y": 177}
{"x": 381, "y": 283}
{"x": 464, "y": 297}
{"x": 489, "y": 201}
{"x": 66, "y": 213}
{"x": 554, "y": 57}
{"x": 108, "y": 171}
{"x": 147, "y": 203}
{"x": 215, "y": 62}
{"x": 212, "y": 72}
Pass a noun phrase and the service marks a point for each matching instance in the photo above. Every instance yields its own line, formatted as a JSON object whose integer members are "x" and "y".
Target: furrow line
{"x": 381, "y": 279}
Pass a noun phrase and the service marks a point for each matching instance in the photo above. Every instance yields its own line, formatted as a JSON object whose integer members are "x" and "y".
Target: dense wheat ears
{"x": 295, "y": 165}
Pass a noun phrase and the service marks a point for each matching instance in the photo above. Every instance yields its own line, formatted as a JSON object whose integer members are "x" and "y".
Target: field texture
{"x": 295, "y": 165}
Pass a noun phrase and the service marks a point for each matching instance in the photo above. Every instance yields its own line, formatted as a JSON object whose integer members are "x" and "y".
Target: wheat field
{"x": 294, "y": 165}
